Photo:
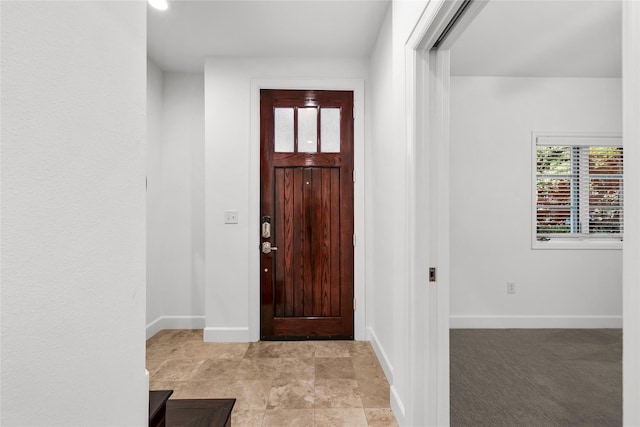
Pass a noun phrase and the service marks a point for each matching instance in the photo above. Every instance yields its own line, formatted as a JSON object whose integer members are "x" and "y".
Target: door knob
{"x": 267, "y": 248}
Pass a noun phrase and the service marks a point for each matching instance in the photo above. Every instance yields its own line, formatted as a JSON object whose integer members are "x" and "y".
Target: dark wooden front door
{"x": 306, "y": 198}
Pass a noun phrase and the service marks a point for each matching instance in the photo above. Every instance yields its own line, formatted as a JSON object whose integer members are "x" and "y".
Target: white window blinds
{"x": 578, "y": 187}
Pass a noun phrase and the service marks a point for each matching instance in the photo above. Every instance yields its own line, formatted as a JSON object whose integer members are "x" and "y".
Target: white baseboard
{"x": 227, "y": 334}
{"x": 397, "y": 407}
{"x": 146, "y": 395}
{"x": 175, "y": 322}
{"x": 535, "y": 322}
{"x": 396, "y": 404}
{"x": 381, "y": 354}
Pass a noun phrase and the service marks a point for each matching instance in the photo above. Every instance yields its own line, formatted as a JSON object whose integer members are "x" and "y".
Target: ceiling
{"x": 542, "y": 39}
{"x": 181, "y": 37}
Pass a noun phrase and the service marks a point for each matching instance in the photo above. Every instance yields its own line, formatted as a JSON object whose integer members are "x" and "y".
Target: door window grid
{"x": 296, "y": 129}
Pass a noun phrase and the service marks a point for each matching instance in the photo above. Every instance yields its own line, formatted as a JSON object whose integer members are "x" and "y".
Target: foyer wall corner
{"x": 232, "y": 277}
{"x": 175, "y": 200}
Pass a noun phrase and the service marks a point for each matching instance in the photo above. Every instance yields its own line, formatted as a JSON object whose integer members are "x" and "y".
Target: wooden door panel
{"x": 307, "y": 232}
{"x": 291, "y": 328}
{"x": 307, "y": 284}
{"x": 284, "y": 218}
{"x": 306, "y": 159}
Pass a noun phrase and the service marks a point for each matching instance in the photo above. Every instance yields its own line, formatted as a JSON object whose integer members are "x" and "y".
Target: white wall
{"x": 73, "y": 213}
{"x": 175, "y": 201}
{"x": 380, "y": 179}
{"x": 405, "y": 401}
{"x": 155, "y": 307}
{"x": 491, "y": 123}
{"x": 232, "y": 259}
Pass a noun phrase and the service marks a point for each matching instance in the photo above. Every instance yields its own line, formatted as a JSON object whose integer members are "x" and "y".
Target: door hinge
{"x": 354, "y": 175}
{"x": 432, "y": 274}
{"x": 354, "y": 304}
{"x": 354, "y": 240}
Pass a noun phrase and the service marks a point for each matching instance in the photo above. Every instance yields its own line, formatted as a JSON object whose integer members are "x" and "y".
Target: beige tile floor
{"x": 297, "y": 384}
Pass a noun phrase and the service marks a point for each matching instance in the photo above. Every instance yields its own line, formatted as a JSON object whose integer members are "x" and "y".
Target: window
{"x": 305, "y": 120}
{"x": 578, "y": 191}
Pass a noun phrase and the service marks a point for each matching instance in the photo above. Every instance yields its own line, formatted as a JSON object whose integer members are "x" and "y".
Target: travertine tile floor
{"x": 297, "y": 384}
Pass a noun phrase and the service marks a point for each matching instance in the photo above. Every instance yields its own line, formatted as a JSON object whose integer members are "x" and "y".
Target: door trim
{"x": 417, "y": 73}
{"x": 631, "y": 247}
{"x": 357, "y": 86}
{"x": 427, "y": 106}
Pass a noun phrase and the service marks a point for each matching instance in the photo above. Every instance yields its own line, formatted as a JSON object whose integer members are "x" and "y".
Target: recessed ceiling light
{"x": 159, "y": 4}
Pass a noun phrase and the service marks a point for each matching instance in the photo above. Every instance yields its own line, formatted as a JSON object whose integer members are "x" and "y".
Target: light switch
{"x": 230, "y": 217}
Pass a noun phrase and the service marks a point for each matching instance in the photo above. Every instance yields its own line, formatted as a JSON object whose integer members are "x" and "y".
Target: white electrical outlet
{"x": 511, "y": 287}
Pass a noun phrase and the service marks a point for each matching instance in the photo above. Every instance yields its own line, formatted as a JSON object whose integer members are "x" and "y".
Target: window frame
{"x": 570, "y": 139}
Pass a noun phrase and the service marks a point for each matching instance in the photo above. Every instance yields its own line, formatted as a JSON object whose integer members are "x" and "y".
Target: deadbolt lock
{"x": 266, "y": 227}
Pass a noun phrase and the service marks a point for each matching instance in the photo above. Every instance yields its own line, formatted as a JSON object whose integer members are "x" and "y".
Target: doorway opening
{"x": 507, "y": 271}
{"x": 429, "y": 144}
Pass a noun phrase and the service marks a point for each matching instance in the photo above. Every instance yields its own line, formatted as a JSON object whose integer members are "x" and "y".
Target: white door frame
{"x": 427, "y": 107}
{"x": 357, "y": 86}
{"x": 631, "y": 245}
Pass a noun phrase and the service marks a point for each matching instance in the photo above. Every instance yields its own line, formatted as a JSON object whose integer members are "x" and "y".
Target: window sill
{"x": 578, "y": 244}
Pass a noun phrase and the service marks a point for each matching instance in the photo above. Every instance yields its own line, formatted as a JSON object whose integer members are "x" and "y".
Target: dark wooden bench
{"x": 158, "y": 407}
{"x": 188, "y": 412}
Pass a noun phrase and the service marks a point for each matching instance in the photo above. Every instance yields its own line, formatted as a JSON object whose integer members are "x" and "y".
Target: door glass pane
{"x": 307, "y": 130}
{"x": 283, "y": 125}
{"x": 330, "y": 130}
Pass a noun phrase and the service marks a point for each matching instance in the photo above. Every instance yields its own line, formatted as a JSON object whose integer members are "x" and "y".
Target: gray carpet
{"x": 536, "y": 377}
